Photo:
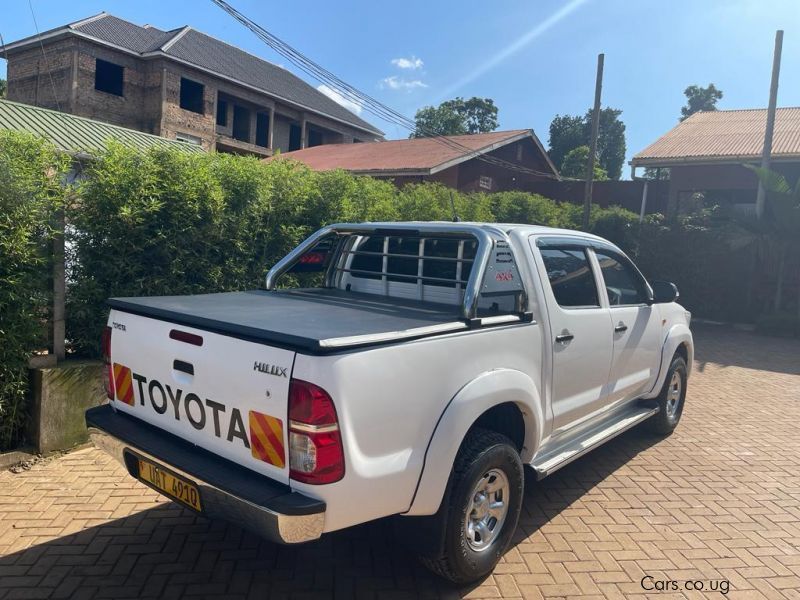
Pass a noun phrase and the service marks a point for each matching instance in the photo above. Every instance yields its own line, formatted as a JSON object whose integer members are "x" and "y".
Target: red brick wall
{"x": 72, "y": 65}
{"x": 28, "y": 79}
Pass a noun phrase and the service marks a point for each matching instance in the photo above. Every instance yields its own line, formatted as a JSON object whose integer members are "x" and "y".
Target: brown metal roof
{"x": 724, "y": 136}
{"x": 412, "y": 156}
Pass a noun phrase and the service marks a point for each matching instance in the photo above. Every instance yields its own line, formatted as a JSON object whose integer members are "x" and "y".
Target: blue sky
{"x": 535, "y": 58}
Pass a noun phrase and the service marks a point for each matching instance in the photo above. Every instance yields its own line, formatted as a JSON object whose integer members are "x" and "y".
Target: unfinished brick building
{"x": 180, "y": 84}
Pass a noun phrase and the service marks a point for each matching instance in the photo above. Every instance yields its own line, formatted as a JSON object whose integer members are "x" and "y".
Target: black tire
{"x": 482, "y": 453}
{"x": 670, "y": 402}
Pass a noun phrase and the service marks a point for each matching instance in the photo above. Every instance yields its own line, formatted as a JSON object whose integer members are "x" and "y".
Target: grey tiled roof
{"x": 119, "y": 32}
{"x": 208, "y": 53}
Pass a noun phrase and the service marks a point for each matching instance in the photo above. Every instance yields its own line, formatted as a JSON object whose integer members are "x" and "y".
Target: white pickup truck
{"x": 426, "y": 365}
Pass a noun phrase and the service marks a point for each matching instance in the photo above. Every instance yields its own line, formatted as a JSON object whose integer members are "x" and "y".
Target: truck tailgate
{"x": 224, "y": 394}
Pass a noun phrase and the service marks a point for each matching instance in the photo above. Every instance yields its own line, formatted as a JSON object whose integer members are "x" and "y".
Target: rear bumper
{"x": 227, "y": 490}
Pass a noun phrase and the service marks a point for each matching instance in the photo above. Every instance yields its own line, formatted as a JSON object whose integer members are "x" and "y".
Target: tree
{"x": 574, "y": 165}
{"x": 776, "y": 235}
{"x": 3, "y": 88}
{"x": 610, "y": 140}
{"x": 700, "y": 98}
{"x": 456, "y": 117}
{"x": 662, "y": 174}
{"x": 568, "y": 132}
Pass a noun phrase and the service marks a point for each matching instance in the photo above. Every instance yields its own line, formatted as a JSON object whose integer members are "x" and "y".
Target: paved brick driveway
{"x": 720, "y": 499}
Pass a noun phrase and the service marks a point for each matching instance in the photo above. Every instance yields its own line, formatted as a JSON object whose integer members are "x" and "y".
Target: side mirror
{"x": 664, "y": 292}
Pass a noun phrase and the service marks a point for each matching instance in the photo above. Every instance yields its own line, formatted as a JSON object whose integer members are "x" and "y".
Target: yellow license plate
{"x": 175, "y": 487}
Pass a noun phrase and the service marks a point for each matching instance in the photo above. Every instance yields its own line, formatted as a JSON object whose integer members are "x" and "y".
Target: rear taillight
{"x": 108, "y": 376}
{"x": 315, "y": 443}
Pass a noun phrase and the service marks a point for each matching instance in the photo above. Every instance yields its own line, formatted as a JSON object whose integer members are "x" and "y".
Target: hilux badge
{"x": 269, "y": 369}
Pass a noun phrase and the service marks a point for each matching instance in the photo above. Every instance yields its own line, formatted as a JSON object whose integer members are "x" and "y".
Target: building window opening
{"x": 295, "y": 133}
{"x": 187, "y": 138}
{"x": 222, "y": 113}
{"x": 241, "y": 123}
{"x": 262, "y": 130}
{"x": 314, "y": 138}
{"x": 191, "y": 95}
{"x": 108, "y": 77}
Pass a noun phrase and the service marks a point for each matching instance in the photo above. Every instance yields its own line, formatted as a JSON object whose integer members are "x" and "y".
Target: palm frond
{"x": 771, "y": 180}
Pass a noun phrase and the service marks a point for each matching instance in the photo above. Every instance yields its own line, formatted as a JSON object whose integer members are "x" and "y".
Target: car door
{"x": 636, "y": 324}
{"x": 580, "y": 331}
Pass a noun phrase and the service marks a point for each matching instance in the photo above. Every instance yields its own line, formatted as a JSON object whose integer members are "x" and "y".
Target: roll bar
{"x": 491, "y": 241}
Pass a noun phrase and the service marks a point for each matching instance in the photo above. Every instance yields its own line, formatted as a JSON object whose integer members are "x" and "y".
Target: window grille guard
{"x": 491, "y": 242}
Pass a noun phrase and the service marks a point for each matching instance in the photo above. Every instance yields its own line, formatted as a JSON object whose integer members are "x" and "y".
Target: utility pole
{"x": 587, "y": 192}
{"x": 773, "y": 101}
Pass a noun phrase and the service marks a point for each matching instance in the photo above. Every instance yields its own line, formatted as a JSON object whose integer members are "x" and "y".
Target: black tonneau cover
{"x": 315, "y": 320}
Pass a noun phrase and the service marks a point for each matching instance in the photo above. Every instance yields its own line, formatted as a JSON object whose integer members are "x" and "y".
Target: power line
{"x": 358, "y": 97}
{"x": 44, "y": 54}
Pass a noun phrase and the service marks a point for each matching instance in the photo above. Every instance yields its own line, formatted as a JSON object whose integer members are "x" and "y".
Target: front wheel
{"x": 485, "y": 499}
{"x": 671, "y": 399}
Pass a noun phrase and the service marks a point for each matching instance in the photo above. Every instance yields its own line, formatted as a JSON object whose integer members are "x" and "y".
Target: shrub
{"x": 618, "y": 225}
{"x": 31, "y": 192}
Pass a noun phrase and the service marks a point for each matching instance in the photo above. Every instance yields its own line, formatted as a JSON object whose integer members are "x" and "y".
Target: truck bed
{"x": 316, "y": 320}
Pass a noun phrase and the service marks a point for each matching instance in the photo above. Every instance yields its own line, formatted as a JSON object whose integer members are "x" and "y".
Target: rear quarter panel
{"x": 389, "y": 400}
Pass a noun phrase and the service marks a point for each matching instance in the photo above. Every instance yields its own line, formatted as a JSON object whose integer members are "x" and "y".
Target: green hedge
{"x": 31, "y": 192}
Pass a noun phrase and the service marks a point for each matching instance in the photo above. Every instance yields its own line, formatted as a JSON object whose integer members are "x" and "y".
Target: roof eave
{"x": 490, "y": 148}
{"x": 34, "y": 40}
{"x": 392, "y": 172}
{"x": 708, "y": 160}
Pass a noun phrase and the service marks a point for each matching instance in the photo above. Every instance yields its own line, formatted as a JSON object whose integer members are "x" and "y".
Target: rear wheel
{"x": 671, "y": 399}
{"x": 485, "y": 499}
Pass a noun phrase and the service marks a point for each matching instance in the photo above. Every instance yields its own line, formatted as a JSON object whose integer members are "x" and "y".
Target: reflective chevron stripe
{"x": 266, "y": 439}
{"x": 123, "y": 383}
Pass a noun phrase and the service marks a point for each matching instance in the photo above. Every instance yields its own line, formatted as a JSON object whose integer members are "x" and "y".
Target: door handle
{"x": 620, "y": 328}
{"x": 564, "y": 337}
{"x": 183, "y": 366}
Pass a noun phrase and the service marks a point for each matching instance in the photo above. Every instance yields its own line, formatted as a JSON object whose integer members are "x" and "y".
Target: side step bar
{"x": 562, "y": 456}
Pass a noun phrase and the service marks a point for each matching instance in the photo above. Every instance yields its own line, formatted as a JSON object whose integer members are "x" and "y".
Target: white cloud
{"x": 408, "y": 63}
{"x": 339, "y": 99}
{"x": 394, "y": 82}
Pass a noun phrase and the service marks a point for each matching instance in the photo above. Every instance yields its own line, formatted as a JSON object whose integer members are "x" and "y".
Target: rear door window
{"x": 570, "y": 275}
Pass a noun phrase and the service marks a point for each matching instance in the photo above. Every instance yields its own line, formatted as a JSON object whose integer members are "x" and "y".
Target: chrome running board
{"x": 559, "y": 457}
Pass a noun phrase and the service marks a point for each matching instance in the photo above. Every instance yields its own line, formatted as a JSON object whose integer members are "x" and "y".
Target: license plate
{"x": 171, "y": 485}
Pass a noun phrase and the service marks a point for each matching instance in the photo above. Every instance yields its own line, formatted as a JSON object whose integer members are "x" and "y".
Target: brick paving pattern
{"x": 720, "y": 499}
